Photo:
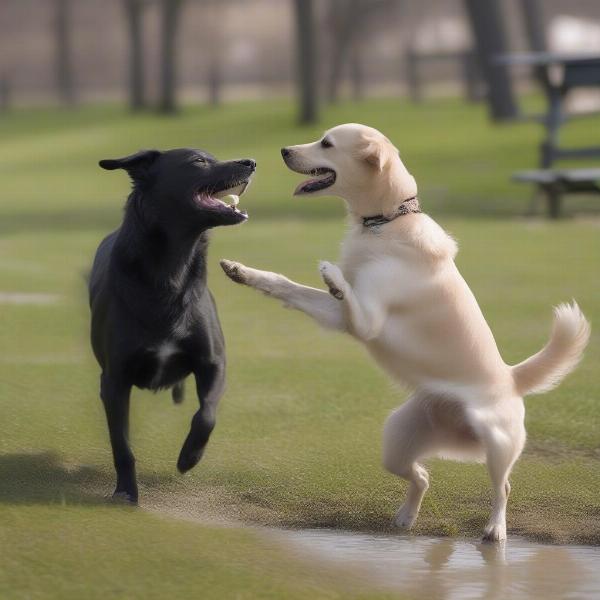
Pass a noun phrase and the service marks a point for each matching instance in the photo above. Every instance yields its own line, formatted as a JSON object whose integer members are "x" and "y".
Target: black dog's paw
{"x": 122, "y": 497}
{"x": 233, "y": 270}
{"x": 188, "y": 459}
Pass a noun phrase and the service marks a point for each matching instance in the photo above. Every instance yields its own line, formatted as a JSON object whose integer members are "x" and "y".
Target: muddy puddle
{"x": 443, "y": 568}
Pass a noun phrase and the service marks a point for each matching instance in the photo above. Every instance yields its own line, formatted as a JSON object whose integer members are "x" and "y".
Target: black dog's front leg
{"x": 210, "y": 381}
{"x": 115, "y": 397}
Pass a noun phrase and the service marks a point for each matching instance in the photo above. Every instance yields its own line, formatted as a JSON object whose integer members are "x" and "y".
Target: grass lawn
{"x": 298, "y": 437}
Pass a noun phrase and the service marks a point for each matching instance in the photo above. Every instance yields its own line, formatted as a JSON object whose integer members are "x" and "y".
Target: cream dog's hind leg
{"x": 318, "y": 304}
{"x": 503, "y": 447}
{"x": 408, "y": 436}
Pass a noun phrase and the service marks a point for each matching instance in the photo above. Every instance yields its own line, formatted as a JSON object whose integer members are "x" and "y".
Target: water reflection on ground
{"x": 449, "y": 569}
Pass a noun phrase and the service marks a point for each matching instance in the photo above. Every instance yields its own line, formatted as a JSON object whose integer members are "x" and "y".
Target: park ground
{"x": 298, "y": 437}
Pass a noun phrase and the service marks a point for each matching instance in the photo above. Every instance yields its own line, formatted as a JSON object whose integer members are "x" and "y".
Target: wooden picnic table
{"x": 575, "y": 71}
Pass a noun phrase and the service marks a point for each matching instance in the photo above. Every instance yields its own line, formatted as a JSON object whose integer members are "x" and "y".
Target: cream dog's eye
{"x": 325, "y": 143}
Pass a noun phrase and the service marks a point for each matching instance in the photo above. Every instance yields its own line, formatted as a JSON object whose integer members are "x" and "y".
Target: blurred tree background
{"x": 160, "y": 53}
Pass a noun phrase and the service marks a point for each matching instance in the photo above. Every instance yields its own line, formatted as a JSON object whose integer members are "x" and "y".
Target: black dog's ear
{"x": 136, "y": 164}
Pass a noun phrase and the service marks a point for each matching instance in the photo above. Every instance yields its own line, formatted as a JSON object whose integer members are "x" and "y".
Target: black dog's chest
{"x": 160, "y": 366}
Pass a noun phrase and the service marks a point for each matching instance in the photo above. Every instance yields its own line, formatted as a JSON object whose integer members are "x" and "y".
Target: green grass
{"x": 122, "y": 553}
{"x": 298, "y": 436}
{"x": 463, "y": 164}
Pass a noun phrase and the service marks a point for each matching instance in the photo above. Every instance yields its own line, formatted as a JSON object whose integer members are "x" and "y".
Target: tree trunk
{"x": 349, "y": 21}
{"x": 343, "y": 17}
{"x": 533, "y": 19}
{"x": 356, "y": 69}
{"x": 64, "y": 66}
{"x": 215, "y": 37}
{"x": 306, "y": 54}
{"x": 214, "y": 81}
{"x": 413, "y": 80}
{"x": 4, "y": 93}
{"x": 337, "y": 20}
{"x": 171, "y": 10}
{"x": 487, "y": 25}
{"x": 134, "y": 14}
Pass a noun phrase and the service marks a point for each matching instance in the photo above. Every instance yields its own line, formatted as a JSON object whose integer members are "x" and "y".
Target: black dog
{"x": 154, "y": 320}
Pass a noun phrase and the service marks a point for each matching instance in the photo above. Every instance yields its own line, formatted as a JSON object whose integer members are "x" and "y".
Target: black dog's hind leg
{"x": 210, "y": 382}
{"x": 115, "y": 398}
{"x": 178, "y": 392}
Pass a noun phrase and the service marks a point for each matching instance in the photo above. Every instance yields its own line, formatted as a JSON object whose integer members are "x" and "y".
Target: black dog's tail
{"x": 178, "y": 392}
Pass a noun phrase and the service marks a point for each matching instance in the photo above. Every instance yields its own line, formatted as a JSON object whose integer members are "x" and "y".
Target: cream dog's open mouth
{"x": 322, "y": 178}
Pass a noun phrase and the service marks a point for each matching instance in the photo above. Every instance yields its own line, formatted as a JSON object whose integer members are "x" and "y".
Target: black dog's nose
{"x": 285, "y": 152}
{"x": 248, "y": 162}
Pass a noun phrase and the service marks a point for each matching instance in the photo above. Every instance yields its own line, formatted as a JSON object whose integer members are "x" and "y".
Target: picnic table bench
{"x": 556, "y": 182}
{"x": 578, "y": 71}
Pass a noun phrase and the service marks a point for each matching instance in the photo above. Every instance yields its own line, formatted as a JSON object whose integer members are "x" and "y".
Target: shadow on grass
{"x": 43, "y": 478}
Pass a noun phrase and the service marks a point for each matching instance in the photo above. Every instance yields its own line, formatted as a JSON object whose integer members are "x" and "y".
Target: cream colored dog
{"x": 398, "y": 291}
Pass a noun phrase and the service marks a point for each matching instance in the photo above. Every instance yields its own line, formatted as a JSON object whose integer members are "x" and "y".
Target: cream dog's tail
{"x": 546, "y": 369}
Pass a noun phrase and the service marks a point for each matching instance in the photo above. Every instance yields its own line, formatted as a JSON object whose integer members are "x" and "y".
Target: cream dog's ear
{"x": 377, "y": 151}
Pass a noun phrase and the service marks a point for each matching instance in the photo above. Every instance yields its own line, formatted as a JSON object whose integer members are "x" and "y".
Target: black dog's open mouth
{"x": 215, "y": 200}
{"x": 323, "y": 178}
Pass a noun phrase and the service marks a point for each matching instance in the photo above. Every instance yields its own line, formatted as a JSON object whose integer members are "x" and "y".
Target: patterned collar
{"x": 410, "y": 205}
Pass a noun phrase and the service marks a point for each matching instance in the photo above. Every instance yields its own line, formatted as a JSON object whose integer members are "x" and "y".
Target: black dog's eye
{"x": 200, "y": 160}
{"x": 325, "y": 143}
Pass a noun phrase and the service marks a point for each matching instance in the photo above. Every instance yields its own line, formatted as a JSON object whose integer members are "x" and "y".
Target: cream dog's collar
{"x": 410, "y": 205}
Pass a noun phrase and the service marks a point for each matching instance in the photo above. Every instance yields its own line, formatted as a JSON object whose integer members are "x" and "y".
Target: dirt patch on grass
{"x": 540, "y": 521}
{"x": 547, "y": 509}
{"x": 209, "y": 505}
{"x": 29, "y": 298}
{"x": 553, "y": 451}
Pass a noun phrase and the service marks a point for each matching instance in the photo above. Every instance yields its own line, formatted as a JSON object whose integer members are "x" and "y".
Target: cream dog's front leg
{"x": 317, "y": 304}
{"x": 365, "y": 316}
